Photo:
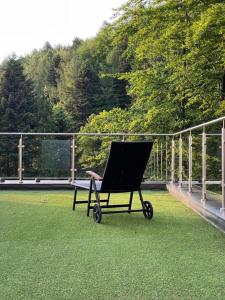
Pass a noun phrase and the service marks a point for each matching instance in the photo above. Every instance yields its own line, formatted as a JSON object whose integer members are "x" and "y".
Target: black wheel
{"x": 97, "y": 214}
{"x": 148, "y": 210}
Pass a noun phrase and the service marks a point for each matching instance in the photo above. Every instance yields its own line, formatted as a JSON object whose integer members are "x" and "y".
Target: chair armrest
{"x": 94, "y": 175}
{"x": 144, "y": 178}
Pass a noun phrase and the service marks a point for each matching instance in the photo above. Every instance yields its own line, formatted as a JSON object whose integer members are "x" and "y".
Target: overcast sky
{"x": 28, "y": 24}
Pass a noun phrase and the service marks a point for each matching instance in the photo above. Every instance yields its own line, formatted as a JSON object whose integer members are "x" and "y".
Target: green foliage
{"x": 175, "y": 76}
{"x": 177, "y": 49}
{"x": 62, "y": 121}
{"x": 164, "y": 60}
{"x": 158, "y": 67}
{"x": 93, "y": 150}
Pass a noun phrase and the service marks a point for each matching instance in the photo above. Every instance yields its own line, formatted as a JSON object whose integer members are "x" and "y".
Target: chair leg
{"x": 89, "y": 199}
{"x": 97, "y": 213}
{"x": 141, "y": 199}
{"x": 130, "y": 203}
{"x": 108, "y": 199}
{"x": 74, "y": 198}
{"x": 97, "y": 197}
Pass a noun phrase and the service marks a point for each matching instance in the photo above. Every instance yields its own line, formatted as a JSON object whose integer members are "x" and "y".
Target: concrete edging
{"x": 188, "y": 199}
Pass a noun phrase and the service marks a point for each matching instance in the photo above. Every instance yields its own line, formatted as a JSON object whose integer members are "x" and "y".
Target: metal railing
{"x": 214, "y": 130}
{"x": 158, "y": 166}
{"x": 182, "y": 157}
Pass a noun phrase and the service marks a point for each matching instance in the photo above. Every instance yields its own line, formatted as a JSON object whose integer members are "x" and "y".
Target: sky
{"x": 27, "y": 24}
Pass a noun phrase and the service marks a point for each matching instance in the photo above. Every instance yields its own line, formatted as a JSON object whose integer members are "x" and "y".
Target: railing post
{"x": 190, "y": 164}
{"x": 73, "y": 153}
{"x": 203, "y": 165}
{"x": 180, "y": 161}
{"x": 173, "y": 161}
{"x": 161, "y": 162}
{"x": 166, "y": 160}
{"x": 157, "y": 161}
{"x": 20, "y": 161}
{"x": 222, "y": 210}
{"x": 154, "y": 164}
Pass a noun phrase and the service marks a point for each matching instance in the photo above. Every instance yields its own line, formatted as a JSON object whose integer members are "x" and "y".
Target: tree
{"x": 18, "y": 104}
{"x": 207, "y": 61}
{"x": 17, "y": 111}
{"x": 175, "y": 50}
{"x": 62, "y": 121}
{"x": 166, "y": 58}
{"x": 78, "y": 90}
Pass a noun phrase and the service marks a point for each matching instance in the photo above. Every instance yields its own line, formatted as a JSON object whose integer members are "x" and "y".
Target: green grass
{"x": 47, "y": 251}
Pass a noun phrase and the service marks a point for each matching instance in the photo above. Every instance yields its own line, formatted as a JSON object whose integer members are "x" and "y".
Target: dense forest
{"x": 158, "y": 67}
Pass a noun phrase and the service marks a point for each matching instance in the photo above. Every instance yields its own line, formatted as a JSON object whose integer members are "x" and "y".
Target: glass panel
{"x": 213, "y": 157}
{"x": 185, "y": 151}
{"x": 213, "y": 170}
{"x": 47, "y": 157}
{"x": 197, "y": 156}
{"x": 9, "y": 156}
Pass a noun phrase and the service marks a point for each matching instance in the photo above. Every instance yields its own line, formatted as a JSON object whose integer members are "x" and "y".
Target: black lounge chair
{"x": 123, "y": 173}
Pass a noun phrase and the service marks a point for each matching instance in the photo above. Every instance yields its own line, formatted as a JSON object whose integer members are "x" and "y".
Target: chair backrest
{"x": 125, "y": 166}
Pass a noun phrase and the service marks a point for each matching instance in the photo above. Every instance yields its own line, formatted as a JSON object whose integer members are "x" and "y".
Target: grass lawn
{"x": 47, "y": 251}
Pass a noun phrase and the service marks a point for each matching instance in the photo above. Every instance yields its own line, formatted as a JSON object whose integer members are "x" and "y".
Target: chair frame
{"x": 99, "y": 209}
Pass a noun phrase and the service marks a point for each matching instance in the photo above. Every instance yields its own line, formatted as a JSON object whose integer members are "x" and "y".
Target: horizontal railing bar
{"x": 98, "y": 134}
{"x": 193, "y": 182}
{"x": 200, "y": 125}
{"x": 95, "y": 134}
{"x": 83, "y": 134}
{"x": 199, "y": 182}
{"x": 213, "y": 182}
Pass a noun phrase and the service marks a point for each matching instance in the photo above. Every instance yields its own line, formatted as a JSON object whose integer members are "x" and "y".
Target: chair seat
{"x": 85, "y": 184}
